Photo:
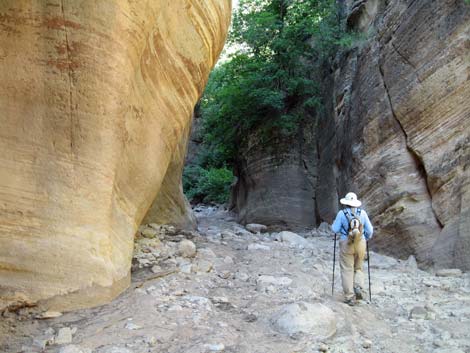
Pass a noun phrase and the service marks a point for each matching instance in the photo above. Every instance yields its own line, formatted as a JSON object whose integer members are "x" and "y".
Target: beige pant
{"x": 351, "y": 262}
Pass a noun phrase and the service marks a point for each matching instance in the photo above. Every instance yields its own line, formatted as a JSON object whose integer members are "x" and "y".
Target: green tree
{"x": 270, "y": 83}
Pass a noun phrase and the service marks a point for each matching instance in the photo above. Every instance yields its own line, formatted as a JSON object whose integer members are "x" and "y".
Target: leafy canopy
{"x": 269, "y": 83}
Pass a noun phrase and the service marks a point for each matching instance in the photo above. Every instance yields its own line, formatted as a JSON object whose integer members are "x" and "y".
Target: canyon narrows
{"x": 108, "y": 108}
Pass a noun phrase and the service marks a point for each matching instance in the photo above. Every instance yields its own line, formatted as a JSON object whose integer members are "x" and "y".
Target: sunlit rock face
{"x": 95, "y": 101}
{"x": 399, "y": 128}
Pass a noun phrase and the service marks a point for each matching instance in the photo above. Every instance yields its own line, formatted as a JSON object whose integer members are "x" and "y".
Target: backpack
{"x": 356, "y": 228}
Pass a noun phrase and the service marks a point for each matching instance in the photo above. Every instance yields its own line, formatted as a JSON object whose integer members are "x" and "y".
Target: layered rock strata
{"x": 402, "y": 126}
{"x": 96, "y": 98}
{"x": 276, "y": 181}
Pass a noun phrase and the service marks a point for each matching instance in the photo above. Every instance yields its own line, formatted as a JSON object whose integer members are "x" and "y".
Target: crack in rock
{"x": 414, "y": 154}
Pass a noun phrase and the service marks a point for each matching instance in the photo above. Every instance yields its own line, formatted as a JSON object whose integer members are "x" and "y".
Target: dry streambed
{"x": 226, "y": 289}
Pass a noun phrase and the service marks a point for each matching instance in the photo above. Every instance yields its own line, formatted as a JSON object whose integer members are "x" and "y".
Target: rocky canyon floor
{"x": 241, "y": 292}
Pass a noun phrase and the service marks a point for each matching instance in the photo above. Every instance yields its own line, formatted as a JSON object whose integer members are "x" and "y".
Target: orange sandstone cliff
{"x": 95, "y": 102}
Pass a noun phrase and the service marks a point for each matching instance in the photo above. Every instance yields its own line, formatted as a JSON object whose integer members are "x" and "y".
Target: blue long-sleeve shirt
{"x": 341, "y": 224}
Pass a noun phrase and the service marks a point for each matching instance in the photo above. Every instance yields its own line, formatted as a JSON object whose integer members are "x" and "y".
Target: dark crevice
{"x": 414, "y": 154}
{"x": 310, "y": 175}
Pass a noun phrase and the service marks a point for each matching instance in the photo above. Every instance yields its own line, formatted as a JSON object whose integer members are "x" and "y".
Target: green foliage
{"x": 268, "y": 85}
{"x": 271, "y": 81}
{"x": 207, "y": 185}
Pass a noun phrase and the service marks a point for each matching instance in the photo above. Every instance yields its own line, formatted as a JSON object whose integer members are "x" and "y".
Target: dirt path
{"x": 259, "y": 294}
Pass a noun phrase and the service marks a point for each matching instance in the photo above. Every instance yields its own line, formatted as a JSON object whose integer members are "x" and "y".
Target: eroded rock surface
{"x": 95, "y": 99}
{"x": 401, "y": 113}
{"x": 276, "y": 180}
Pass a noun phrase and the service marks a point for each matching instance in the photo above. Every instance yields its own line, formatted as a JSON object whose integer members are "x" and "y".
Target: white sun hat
{"x": 350, "y": 200}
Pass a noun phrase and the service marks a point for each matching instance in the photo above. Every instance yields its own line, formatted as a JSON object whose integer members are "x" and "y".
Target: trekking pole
{"x": 368, "y": 270}
{"x": 334, "y": 260}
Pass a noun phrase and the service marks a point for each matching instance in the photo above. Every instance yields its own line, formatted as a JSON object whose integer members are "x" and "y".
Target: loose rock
{"x": 382, "y": 261}
{"x": 49, "y": 315}
{"x": 314, "y": 319}
{"x": 187, "y": 248}
{"x": 418, "y": 312}
{"x": 203, "y": 266}
{"x": 228, "y": 260}
{"x": 218, "y": 347}
{"x": 324, "y": 229}
{"x": 186, "y": 268}
{"x": 367, "y": 344}
{"x": 149, "y": 233}
{"x": 64, "y": 336}
{"x": 74, "y": 349}
{"x": 450, "y": 272}
{"x": 256, "y": 228}
{"x": 264, "y": 281}
{"x": 258, "y": 247}
{"x": 132, "y": 326}
{"x": 156, "y": 269}
{"x": 293, "y": 239}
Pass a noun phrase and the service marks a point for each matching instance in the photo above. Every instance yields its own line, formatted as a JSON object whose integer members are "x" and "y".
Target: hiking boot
{"x": 349, "y": 301}
{"x": 358, "y": 293}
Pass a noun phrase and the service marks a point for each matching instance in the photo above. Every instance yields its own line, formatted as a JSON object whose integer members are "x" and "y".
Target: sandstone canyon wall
{"x": 95, "y": 102}
{"x": 396, "y": 130}
{"x": 277, "y": 179}
{"x": 402, "y": 123}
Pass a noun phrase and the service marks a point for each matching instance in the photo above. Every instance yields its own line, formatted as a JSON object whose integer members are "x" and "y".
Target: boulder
{"x": 314, "y": 319}
{"x": 256, "y": 228}
{"x": 96, "y": 100}
{"x": 293, "y": 239}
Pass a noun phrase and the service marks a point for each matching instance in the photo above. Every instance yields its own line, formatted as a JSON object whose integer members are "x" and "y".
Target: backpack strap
{"x": 348, "y": 216}
{"x": 349, "y": 221}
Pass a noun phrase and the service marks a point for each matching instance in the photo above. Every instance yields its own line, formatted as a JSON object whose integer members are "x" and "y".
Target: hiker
{"x": 354, "y": 226}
